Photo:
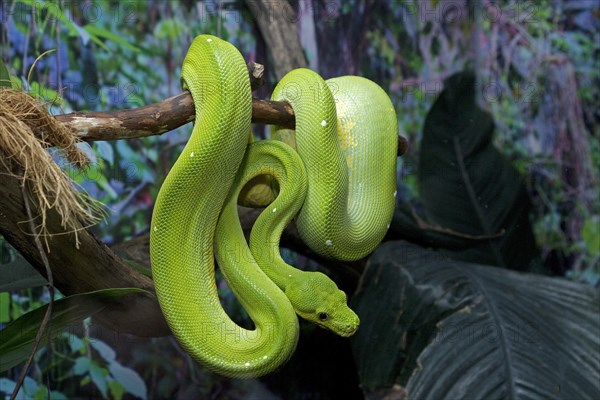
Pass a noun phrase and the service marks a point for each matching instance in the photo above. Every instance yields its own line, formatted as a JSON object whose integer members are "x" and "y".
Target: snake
{"x": 195, "y": 218}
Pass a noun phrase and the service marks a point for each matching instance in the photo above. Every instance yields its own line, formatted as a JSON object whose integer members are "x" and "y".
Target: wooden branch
{"x": 171, "y": 113}
{"x": 156, "y": 119}
{"x": 92, "y": 266}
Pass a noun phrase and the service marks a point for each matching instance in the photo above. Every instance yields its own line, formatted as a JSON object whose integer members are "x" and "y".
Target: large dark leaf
{"x": 467, "y": 185}
{"x": 447, "y": 329}
{"x": 17, "y": 339}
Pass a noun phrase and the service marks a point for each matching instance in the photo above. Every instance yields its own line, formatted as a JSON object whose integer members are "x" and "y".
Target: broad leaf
{"x": 105, "y": 351}
{"x": 99, "y": 375}
{"x": 17, "y": 339}
{"x": 447, "y": 329}
{"x": 130, "y": 379}
{"x": 467, "y": 185}
{"x": 101, "y": 32}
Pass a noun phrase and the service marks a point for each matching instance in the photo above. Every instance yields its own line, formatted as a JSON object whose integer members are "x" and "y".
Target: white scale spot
{"x": 209, "y": 40}
{"x": 328, "y": 242}
{"x": 192, "y": 154}
{"x": 155, "y": 228}
{"x": 388, "y": 226}
{"x": 395, "y": 193}
{"x": 247, "y": 364}
{"x": 275, "y": 209}
{"x": 265, "y": 357}
{"x": 323, "y": 123}
{"x": 289, "y": 276}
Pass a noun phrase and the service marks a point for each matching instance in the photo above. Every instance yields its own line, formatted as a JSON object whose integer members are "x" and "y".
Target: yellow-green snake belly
{"x": 342, "y": 194}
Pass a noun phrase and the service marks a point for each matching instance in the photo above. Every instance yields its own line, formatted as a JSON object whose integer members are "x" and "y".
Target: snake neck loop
{"x": 184, "y": 224}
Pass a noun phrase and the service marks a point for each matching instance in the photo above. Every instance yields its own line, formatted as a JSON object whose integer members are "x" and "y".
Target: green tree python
{"x": 336, "y": 174}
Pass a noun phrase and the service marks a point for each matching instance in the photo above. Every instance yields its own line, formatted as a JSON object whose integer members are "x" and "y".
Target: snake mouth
{"x": 348, "y": 330}
{"x": 343, "y": 330}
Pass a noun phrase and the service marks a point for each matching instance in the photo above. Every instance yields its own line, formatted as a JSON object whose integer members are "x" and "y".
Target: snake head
{"x": 316, "y": 298}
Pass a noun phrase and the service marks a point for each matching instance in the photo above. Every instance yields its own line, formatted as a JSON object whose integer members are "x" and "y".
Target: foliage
{"x": 82, "y": 365}
{"x": 18, "y": 337}
{"x": 450, "y": 323}
{"x": 457, "y": 159}
{"x": 459, "y": 330}
{"x": 524, "y": 50}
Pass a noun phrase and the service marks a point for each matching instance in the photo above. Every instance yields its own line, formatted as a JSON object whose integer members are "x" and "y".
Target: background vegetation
{"x": 537, "y": 75}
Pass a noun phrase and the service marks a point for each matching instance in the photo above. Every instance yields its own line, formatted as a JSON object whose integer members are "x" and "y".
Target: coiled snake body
{"x": 341, "y": 187}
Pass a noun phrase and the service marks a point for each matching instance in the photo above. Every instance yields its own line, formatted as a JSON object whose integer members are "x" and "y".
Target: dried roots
{"x": 26, "y": 131}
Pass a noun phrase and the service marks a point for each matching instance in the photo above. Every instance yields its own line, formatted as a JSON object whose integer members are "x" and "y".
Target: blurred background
{"x": 537, "y": 74}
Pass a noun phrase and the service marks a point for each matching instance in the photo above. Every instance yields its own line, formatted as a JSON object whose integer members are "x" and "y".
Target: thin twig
{"x": 447, "y": 231}
{"x": 44, "y": 54}
{"x": 50, "y": 286}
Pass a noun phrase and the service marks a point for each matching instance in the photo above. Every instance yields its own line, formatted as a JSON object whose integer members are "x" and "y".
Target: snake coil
{"x": 336, "y": 173}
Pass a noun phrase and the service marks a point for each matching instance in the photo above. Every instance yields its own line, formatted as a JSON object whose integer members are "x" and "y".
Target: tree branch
{"x": 90, "y": 267}
{"x": 156, "y": 119}
{"x": 171, "y": 113}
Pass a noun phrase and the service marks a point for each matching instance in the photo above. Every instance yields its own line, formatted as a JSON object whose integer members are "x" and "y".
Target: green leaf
{"x": 455, "y": 330}
{"x": 105, "y": 150}
{"x": 467, "y": 185}
{"x": 45, "y": 93}
{"x": 4, "y": 307}
{"x": 81, "y": 365}
{"x": 98, "y": 42}
{"x": 130, "y": 379}
{"x": 30, "y": 386}
{"x": 168, "y": 28}
{"x": 590, "y": 233}
{"x": 4, "y": 76}
{"x": 105, "y": 351}
{"x": 56, "y": 395}
{"x": 95, "y": 30}
{"x": 75, "y": 343}
{"x": 16, "y": 82}
{"x": 72, "y": 27}
{"x": 116, "y": 389}
{"x": 98, "y": 375}
{"x": 19, "y": 274}
{"x": 7, "y": 386}
{"x": 16, "y": 340}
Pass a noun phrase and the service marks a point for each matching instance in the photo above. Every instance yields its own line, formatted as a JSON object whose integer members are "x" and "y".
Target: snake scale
{"x": 336, "y": 175}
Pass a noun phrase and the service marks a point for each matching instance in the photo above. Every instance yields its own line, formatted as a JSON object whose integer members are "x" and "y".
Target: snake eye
{"x": 323, "y": 316}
